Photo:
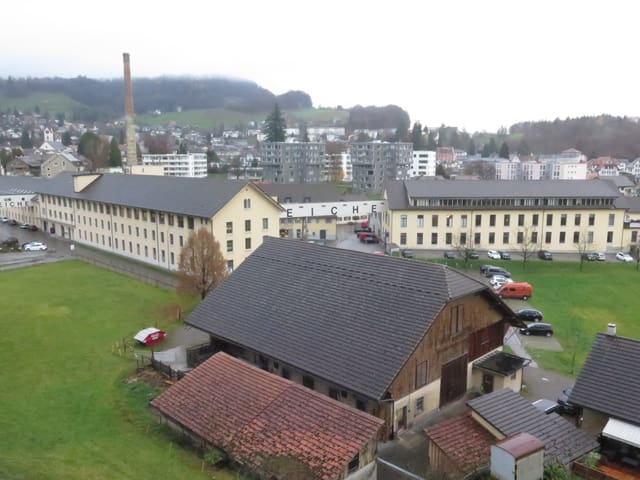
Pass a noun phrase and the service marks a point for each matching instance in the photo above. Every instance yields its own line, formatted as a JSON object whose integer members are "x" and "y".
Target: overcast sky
{"x": 475, "y": 64}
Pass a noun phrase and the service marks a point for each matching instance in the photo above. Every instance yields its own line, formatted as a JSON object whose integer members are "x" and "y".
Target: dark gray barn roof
{"x": 609, "y": 381}
{"x": 349, "y": 317}
{"x": 510, "y": 413}
{"x": 188, "y": 196}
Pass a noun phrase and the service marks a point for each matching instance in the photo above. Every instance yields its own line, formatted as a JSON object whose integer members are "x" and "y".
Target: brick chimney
{"x": 132, "y": 153}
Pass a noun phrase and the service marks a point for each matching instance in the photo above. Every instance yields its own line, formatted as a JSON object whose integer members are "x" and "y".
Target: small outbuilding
{"x": 149, "y": 336}
{"x": 519, "y": 457}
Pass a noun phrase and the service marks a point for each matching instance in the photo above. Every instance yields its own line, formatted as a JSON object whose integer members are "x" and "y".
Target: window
{"x": 155, "y": 254}
{"x": 172, "y": 258}
{"x": 181, "y": 241}
{"x": 265, "y": 224}
{"x": 146, "y": 251}
{"x": 230, "y": 268}
{"x": 247, "y": 203}
{"x": 307, "y": 381}
{"x": 609, "y": 237}
{"x": 505, "y": 237}
{"x": 549, "y": 219}
{"x": 563, "y": 219}
{"x": 450, "y": 221}
{"x": 419, "y": 239}
{"x": 478, "y": 220}
{"x": 354, "y": 464}
{"x": 520, "y": 237}
{"x": 420, "y": 221}
{"x": 421, "y": 375}
{"x": 521, "y": 220}
{"x": 634, "y": 236}
{"x": 492, "y": 238}
{"x": 403, "y": 239}
{"x": 455, "y": 324}
{"x": 492, "y": 220}
{"x": 144, "y": 215}
{"x": 171, "y": 239}
{"x": 170, "y": 220}
{"x": 612, "y": 219}
{"x": 161, "y": 237}
{"x": 534, "y": 220}
{"x": 247, "y": 243}
{"x": 563, "y": 236}
{"x": 476, "y": 238}
{"x": 448, "y": 238}
{"x": 128, "y": 228}
{"x": 434, "y": 238}
{"x": 137, "y": 232}
{"x": 360, "y": 405}
{"x": 229, "y": 245}
{"x": 144, "y": 233}
{"x": 577, "y": 219}
{"x": 420, "y": 405}
{"x": 229, "y": 227}
{"x": 592, "y": 219}
{"x": 128, "y": 212}
{"x": 576, "y": 237}
{"x": 190, "y": 223}
{"x": 403, "y": 221}
{"x": 247, "y": 225}
{"x": 161, "y": 218}
{"x": 152, "y": 217}
{"x": 547, "y": 237}
{"x": 153, "y": 235}
{"x": 334, "y": 393}
{"x": 589, "y": 237}
{"x": 507, "y": 220}
{"x": 463, "y": 238}
{"x": 463, "y": 221}
{"x": 534, "y": 237}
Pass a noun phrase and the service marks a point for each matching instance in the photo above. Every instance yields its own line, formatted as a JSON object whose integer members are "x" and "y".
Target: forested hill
{"x": 593, "y": 136}
{"x": 104, "y": 99}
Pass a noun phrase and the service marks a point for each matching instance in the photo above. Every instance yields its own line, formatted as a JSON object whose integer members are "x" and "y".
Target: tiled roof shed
{"x": 347, "y": 317}
{"x": 609, "y": 381}
{"x": 261, "y": 419}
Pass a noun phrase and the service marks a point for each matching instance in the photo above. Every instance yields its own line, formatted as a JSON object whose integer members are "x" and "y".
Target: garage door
{"x": 453, "y": 382}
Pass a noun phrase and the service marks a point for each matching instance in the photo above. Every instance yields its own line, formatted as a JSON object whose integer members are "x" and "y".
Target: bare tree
{"x": 583, "y": 245}
{"x": 527, "y": 243}
{"x": 202, "y": 266}
{"x": 464, "y": 245}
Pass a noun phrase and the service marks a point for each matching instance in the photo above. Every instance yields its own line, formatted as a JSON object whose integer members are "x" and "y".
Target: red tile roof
{"x": 265, "y": 421}
{"x": 464, "y": 441}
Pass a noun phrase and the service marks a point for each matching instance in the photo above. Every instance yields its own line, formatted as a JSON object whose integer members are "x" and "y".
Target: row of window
{"x": 247, "y": 244}
{"x": 122, "y": 244}
{"x": 506, "y": 220}
{"x": 247, "y": 225}
{"x": 512, "y": 202}
{"x": 520, "y": 238}
{"x": 131, "y": 229}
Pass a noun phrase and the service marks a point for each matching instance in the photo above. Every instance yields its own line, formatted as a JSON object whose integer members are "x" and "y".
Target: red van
{"x": 515, "y": 290}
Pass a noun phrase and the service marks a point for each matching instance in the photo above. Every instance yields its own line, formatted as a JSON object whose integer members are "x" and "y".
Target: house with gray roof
{"x": 390, "y": 336}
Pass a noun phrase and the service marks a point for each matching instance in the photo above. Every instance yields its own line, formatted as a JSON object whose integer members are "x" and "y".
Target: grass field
{"x": 66, "y": 410}
{"x": 578, "y": 304}
{"x": 47, "y": 102}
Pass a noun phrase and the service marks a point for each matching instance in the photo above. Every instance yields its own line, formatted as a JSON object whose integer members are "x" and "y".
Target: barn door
{"x": 453, "y": 382}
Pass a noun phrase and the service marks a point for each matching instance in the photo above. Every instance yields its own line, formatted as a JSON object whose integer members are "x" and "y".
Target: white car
{"x": 498, "y": 281}
{"x": 4, "y": 219}
{"x": 494, "y": 254}
{"x": 601, "y": 256}
{"x": 34, "y": 247}
{"x": 624, "y": 257}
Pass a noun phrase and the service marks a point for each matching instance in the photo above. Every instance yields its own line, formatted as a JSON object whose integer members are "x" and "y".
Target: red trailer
{"x": 149, "y": 336}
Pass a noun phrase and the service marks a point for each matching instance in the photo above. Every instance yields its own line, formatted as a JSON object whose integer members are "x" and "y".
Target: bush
{"x": 214, "y": 456}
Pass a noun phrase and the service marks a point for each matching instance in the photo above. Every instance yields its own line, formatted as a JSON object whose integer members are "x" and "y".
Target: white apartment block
{"x": 424, "y": 163}
{"x": 192, "y": 165}
{"x": 540, "y": 170}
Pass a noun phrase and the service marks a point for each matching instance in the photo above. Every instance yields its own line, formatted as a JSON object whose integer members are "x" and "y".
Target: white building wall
{"x": 424, "y": 164}
{"x": 343, "y": 211}
{"x": 176, "y": 165}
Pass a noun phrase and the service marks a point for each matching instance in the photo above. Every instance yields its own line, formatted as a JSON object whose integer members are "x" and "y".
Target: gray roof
{"x": 609, "y": 381}
{"x": 15, "y": 185}
{"x": 630, "y": 204}
{"x": 399, "y": 191}
{"x": 510, "y": 413}
{"x": 187, "y": 196}
{"x": 316, "y": 192}
{"x": 620, "y": 181}
{"x": 349, "y": 317}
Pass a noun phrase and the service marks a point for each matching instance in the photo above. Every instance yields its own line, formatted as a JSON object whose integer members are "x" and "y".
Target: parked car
{"x": 624, "y": 257}
{"x": 491, "y": 271}
{"x": 505, "y": 256}
{"x": 538, "y": 328}
{"x": 545, "y": 255}
{"x": 601, "y": 256}
{"x": 529, "y": 314}
{"x": 493, "y": 254}
{"x": 363, "y": 235}
{"x": 4, "y": 219}
{"x": 406, "y": 253}
{"x": 13, "y": 223}
{"x": 373, "y": 238}
{"x": 484, "y": 268}
{"x": 472, "y": 255}
{"x": 590, "y": 256}
{"x": 449, "y": 255}
{"x": 546, "y": 406}
{"x": 34, "y": 247}
{"x": 565, "y": 405}
{"x": 521, "y": 290}
{"x": 360, "y": 229}
{"x": 498, "y": 280}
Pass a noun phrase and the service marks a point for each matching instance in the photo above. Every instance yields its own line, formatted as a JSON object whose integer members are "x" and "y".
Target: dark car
{"x": 449, "y": 255}
{"x": 565, "y": 405}
{"x": 545, "y": 255}
{"x": 473, "y": 255}
{"x": 13, "y": 222}
{"x": 505, "y": 256}
{"x": 10, "y": 243}
{"x": 371, "y": 239}
{"x": 360, "y": 229}
{"x": 529, "y": 314}
{"x": 491, "y": 271}
{"x": 484, "y": 268}
{"x": 406, "y": 253}
{"x": 590, "y": 256}
{"x": 546, "y": 406}
{"x": 538, "y": 329}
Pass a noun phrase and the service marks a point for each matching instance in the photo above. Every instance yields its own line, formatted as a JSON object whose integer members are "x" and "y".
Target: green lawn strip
{"x": 45, "y": 101}
{"x": 65, "y": 408}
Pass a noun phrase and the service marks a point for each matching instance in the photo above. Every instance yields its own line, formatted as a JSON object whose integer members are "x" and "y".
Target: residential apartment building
{"x": 554, "y": 215}
{"x": 193, "y": 165}
{"x": 424, "y": 164}
{"x": 292, "y": 162}
{"x": 149, "y": 218}
{"x": 375, "y": 163}
{"x": 540, "y": 170}
{"x": 61, "y": 162}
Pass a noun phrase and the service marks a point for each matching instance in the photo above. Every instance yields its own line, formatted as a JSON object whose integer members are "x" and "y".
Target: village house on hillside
{"x": 389, "y": 336}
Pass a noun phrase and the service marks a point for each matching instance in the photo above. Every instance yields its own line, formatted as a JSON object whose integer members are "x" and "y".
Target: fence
{"x": 166, "y": 369}
{"x": 198, "y": 354}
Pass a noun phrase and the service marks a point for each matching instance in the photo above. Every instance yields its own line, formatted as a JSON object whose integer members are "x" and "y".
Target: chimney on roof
{"x": 611, "y": 329}
{"x": 130, "y": 130}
